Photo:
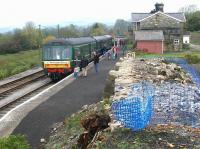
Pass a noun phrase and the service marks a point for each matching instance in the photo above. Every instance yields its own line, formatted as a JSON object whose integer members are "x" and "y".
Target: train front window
{"x": 57, "y": 53}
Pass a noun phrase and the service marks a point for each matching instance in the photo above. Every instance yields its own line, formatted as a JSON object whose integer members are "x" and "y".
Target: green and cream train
{"x": 60, "y": 56}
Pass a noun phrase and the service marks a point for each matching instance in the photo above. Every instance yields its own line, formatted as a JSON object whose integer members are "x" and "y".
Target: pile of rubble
{"x": 156, "y": 71}
{"x": 177, "y": 98}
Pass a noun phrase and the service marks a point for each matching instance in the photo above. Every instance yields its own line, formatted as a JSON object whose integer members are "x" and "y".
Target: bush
{"x": 186, "y": 46}
{"x": 192, "y": 59}
{"x": 3, "y": 74}
{"x": 9, "y": 46}
{"x": 14, "y": 142}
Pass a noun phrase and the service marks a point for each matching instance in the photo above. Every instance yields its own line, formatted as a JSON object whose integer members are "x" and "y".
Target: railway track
{"x": 20, "y": 90}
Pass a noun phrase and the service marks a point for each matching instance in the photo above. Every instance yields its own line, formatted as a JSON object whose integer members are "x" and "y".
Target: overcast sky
{"x": 15, "y": 13}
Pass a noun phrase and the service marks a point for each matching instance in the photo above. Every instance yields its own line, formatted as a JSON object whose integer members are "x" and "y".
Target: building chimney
{"x": 159, "y": 7}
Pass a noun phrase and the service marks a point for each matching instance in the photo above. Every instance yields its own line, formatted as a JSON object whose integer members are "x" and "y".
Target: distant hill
{"x": 78, "y": 23}
{"x": 5, "y": 29}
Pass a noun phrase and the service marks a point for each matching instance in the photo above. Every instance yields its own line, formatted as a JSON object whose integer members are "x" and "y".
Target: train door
{"x": 93, "y": 49}
{"x": 77, "y": 56}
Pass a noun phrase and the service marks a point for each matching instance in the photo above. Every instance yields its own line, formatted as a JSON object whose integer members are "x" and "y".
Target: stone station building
{"x": 170, "y": 24}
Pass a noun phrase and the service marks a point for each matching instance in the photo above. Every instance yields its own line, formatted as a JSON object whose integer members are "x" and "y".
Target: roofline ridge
{"x": 157, "y": 13}
{"x": 141, "y": 12}
{"x": 175, "y": 12}
{"x": 149, "y": 31}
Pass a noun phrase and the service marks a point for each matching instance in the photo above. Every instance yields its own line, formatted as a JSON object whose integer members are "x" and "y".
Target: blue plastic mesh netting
{"x": 136, "y": 110}
{"x": 188, "y": 68}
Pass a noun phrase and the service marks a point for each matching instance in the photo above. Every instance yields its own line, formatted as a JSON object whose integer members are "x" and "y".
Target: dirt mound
{"x": 92, "y": 124}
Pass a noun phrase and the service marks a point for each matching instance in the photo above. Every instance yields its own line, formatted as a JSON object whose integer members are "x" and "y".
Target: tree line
{"x": 32, "y": 36}
{"x": 20, "y": 39}
{"x": 192, "y": 14}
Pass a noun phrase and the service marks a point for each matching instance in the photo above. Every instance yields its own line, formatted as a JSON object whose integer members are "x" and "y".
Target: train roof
{"x": 108, "y": 36}
{"x": 104, "y": 37}
{"x": 120, "y": 38}
{"x": 72, "y": 41}
{"x": 79, "y": 40}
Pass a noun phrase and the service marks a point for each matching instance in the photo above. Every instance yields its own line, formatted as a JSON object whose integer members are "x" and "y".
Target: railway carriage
{"x": 103, "y": 43}
{"x": 61, "y": 55}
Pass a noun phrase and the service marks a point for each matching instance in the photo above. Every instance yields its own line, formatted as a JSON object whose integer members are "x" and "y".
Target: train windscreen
{"x": 56, "y": 53}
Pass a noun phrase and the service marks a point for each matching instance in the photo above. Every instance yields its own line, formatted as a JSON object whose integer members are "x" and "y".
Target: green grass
{"x": 11, "y": 64}
{"x": 14, "y": 142}
{"x": 123, "y": 138}
{"x": 72, "y": 127}
{"x": 167, "y": 54}
{"x": 195, "y": 38}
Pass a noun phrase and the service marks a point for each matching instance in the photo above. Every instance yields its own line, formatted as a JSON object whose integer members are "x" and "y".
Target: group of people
{"x": 84, "y": 65}
{"x": 113, "y": 53}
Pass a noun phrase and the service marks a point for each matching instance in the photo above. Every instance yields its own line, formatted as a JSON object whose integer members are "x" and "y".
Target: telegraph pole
{"x": 39, "y": 35}
{"x": 40, "y": 41}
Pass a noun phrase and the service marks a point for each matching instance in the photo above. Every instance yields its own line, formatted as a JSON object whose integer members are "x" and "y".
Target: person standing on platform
{"x": 109, "y": 54}
{"x": 83, "y": 65}
{"x": 76, "y": 67}
{"x": 113, "y": 52}
{"x": 96, "y": 62}
{"x": 116, "y": 51}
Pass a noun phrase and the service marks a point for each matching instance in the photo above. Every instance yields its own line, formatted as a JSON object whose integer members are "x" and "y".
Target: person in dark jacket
{"x": 83, "y": 65}
{"x": 96, "y": 62}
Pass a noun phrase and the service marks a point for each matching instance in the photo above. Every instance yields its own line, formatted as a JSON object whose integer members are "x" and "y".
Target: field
{"x": 195, "y": 38}
{"x": 181, "y": 54}
{"x": 11, "y": 64}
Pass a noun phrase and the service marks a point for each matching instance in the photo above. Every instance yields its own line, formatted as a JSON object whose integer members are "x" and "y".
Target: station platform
{"x": 82, "y": 91}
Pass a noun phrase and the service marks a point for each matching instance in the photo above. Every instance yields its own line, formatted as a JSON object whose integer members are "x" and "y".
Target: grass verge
{"x": 11, "y": 64}
{"x": 14, "y": 142}
{"x": 182, "y": 54}
{"x": 67, "y": 134}
{"x": 166, "y": 136}
{"x": 195, "y": 38}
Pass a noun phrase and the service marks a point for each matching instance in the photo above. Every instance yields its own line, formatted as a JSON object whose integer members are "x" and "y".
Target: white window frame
{"x": 176, "y": 41}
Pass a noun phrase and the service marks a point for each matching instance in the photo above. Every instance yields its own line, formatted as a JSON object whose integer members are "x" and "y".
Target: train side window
{"x": 66, "y": 53}
{"x": 47, "y": 53}
{"x": 77, "y": 53}
{"x": 56, "y": 53}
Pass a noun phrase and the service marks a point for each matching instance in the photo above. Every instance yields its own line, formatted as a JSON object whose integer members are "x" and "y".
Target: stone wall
{"x": 171, "y": 28}
{"x": 159, "y": 21}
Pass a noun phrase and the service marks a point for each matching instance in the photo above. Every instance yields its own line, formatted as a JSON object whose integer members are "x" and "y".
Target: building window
{"x": 176, "y": 41}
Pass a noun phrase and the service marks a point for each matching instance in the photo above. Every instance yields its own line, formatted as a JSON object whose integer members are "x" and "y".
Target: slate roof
{"x": 137, "y": 17}
{"x": 149, "y": 35}
{"x": 178, "y": 15}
